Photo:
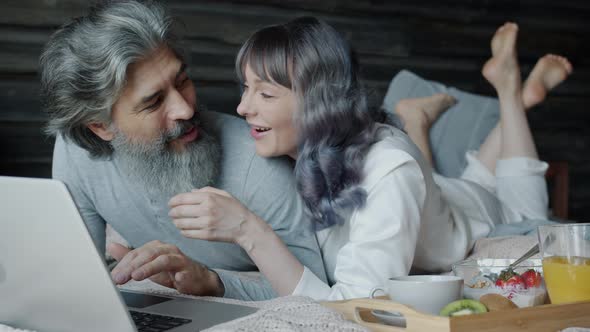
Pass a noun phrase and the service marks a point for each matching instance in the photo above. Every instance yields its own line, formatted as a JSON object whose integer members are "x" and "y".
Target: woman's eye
{"x": 183, "y": 82}
{"x": 243, "y": 90}
{"x": 265, "y": 96}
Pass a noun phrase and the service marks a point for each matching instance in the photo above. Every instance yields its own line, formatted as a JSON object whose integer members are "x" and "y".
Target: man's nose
{"x": 180, "y": 109}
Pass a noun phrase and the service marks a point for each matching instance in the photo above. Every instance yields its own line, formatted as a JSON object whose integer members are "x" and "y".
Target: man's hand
{"x": 166, "y": 265}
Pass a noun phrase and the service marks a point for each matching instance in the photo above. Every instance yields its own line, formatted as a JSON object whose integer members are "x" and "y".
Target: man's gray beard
{"x": 162, "y": 170}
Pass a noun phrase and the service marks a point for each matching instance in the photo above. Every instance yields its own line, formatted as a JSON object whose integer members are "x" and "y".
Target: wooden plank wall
{"x": 440, "y": 40}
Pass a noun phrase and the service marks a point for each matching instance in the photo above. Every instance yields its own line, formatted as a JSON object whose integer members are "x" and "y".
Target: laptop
{"x": 52, "y": 277}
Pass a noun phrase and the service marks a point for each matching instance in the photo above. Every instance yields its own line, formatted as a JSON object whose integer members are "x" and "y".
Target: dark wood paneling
{"x": 24, "y": 140}
{"x": 446, "y": 41}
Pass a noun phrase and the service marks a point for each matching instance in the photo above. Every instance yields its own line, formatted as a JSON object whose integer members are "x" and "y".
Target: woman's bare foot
{"x": 423, "y": 111}
{"x": 418, "y": 115}
{"x": 549, "y": 71}
{"x": 502, "y": 69}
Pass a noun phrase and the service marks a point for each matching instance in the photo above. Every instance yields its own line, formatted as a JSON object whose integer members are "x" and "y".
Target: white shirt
{"x": 406, "y": 222}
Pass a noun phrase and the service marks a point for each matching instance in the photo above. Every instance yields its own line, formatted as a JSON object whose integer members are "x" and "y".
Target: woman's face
{"x": 269, "y": 110}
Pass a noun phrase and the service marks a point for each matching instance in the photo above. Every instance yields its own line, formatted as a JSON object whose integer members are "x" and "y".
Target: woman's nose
{"x": 244, "y": 107}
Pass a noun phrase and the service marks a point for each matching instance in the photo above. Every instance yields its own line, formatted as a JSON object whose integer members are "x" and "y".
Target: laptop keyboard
{"x": 154, "y": 323}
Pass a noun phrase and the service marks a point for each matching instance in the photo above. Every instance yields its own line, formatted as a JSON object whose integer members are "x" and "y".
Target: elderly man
{"x": 129, "y": 137}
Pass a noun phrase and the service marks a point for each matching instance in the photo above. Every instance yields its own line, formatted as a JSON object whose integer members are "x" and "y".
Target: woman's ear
{"x": 101, "y": 130}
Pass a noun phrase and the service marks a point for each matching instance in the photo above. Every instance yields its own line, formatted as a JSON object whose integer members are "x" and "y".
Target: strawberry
{"x": 531, "y": 278}
{"x": 500, "y": 283}
{"x": 511, "y": 279}
{"x": 516, "y": 280}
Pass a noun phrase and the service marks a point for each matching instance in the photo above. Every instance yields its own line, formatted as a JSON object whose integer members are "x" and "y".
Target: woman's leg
{"x": 503, "y": 72}
{"x": 549, "y": 71}
{"x": 520, "y": 177}
{"x": 418, "y": 115}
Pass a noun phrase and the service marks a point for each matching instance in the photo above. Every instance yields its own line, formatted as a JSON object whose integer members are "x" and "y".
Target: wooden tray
{"x": 549, "y": 317}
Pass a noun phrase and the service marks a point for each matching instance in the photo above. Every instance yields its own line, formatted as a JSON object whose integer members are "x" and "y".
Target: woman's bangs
{"x": 267, "y": 54}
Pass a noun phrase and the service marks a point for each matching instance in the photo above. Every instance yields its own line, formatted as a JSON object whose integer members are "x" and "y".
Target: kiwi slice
{"x": 463, "y": 307}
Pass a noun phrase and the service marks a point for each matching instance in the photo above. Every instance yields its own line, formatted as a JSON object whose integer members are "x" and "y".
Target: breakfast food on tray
{"x": 523, "y": 285}
{"x": 524, "y": 290}
{"x": 463, "y": 307}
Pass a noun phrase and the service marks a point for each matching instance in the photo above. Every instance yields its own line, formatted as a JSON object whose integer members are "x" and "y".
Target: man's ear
{"x": 101, "y": 130}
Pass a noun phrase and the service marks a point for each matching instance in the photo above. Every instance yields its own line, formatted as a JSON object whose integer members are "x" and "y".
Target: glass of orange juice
{"x": 565, "y": 249}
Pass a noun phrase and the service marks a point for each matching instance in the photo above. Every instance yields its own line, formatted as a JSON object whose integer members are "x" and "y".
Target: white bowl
{"x": 426, "y": 293}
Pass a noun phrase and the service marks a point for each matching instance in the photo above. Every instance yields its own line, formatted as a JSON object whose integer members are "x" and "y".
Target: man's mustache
{"x": 181, "y": 128}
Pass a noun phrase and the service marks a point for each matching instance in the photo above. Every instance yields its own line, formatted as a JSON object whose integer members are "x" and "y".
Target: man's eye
{"x": 266, "y": 96}
{"x": 155, "y": 105}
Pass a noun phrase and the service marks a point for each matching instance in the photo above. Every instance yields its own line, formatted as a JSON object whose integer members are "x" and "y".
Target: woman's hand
{"x": 213, "y": 214}
{"x": 210, "y": 214}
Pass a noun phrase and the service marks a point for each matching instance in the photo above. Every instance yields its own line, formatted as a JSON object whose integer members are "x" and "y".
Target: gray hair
{"x": 84, "y": 66}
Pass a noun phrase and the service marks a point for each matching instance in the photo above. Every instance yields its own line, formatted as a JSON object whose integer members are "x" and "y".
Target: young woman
{"x": 371, "y": 193}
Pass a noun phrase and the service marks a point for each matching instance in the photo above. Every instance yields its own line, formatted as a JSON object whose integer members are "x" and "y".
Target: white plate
{"x": 390, "y": 318}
